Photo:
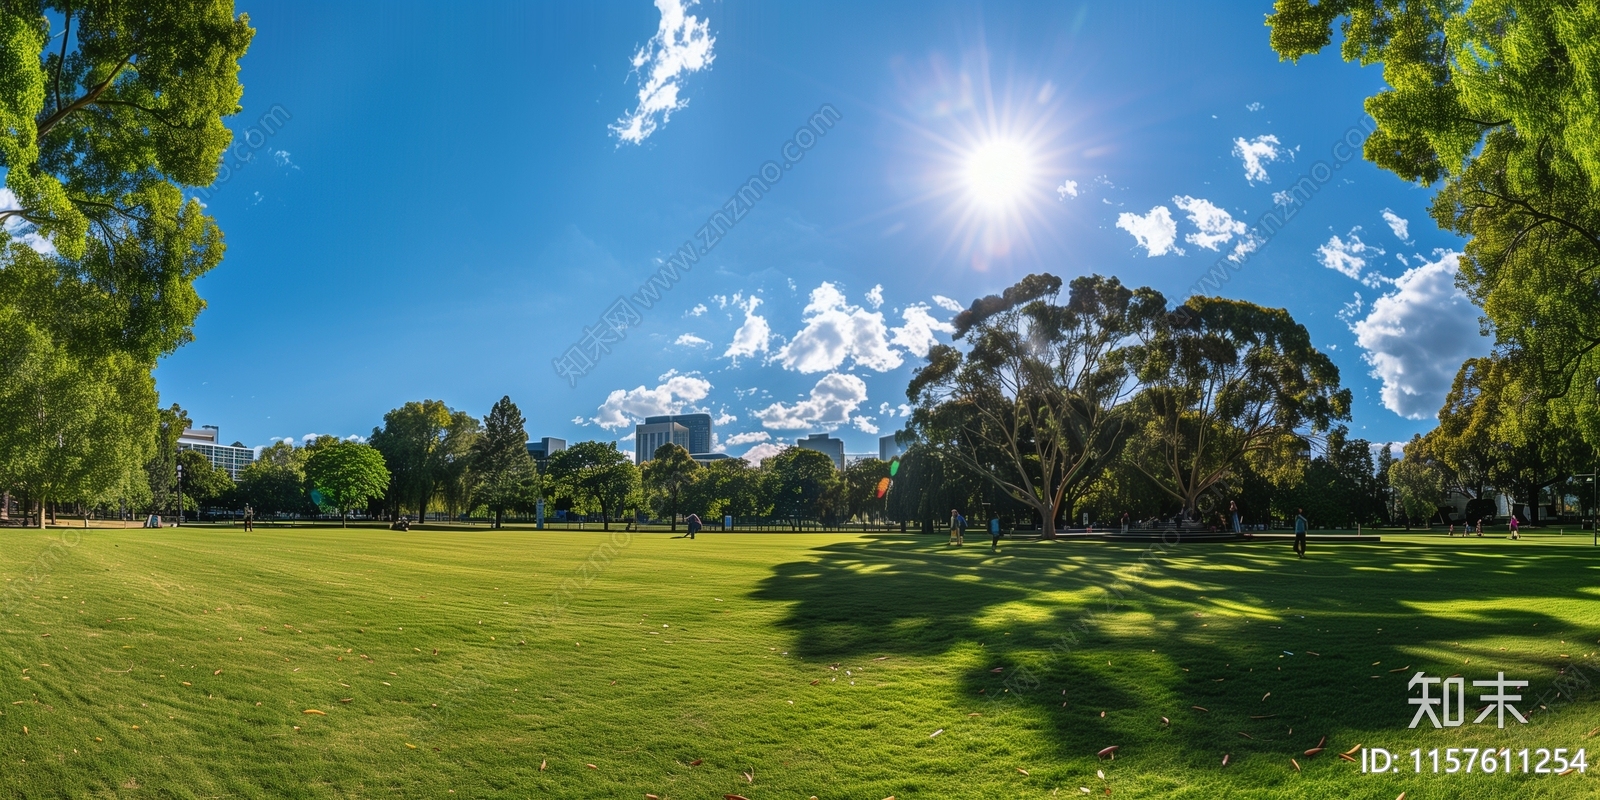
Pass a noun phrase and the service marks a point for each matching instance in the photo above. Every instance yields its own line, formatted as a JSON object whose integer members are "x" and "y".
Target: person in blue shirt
{"x": 994, "y": 533}
{"x": 1300, "y": 532}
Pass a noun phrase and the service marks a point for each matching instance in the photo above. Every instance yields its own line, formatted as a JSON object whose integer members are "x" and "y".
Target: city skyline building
{"x": 826, "y": 445}
{"x": 204, "y": 440}
{"x": 699, "y": 426}
{"x": 650, "y": 436}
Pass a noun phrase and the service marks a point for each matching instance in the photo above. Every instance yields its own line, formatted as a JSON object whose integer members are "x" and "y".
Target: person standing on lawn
{"x": 994, "y": 532}
{"x": 1233, "y": 514}
{"x": 1300, "y": 532}
{"x": 957, "y": 522}
{"x": 694, "y": 524}
{"x": 1515, "y": 533}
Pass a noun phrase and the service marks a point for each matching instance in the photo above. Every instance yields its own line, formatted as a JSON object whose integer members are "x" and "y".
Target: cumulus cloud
{"x": 753, "y": 335}
{"x": 866, "y": 425}
{"x": 1256, "y": 154}
{"x": 1156, "y": 231}
{"x": 1067, "y": 189}
{"x": 1398, "y": 225}
{"x": 762, "y": 452}
{"x": 916, "y": 335}
{"x": 831, "y": 403}
{"x": 682, "y": 45}
{"x": 691, "y": 340}
{"x": 1216, "y": 226}
{"x": 947, "y": 304}
{"x": 875, "y": 296}
{"x": 674, "y": 393}
{"x": 1346, "y": 256}
{"x": 751, "y": 437}
{"x": 725, "y": 419}
{"x": 834, "y": 331}
{"x": 1416, "y": 337}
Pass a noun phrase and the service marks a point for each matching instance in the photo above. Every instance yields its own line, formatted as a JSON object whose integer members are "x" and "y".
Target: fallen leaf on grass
{"x": 1401, "y": 797}
{"x": 998, "y": 669}
{"x": 410, "y": 745}
{"x": 186, "y": 683}
{"x": 697, "y": 762}
{"x": 734, "y": 797}
{"x": 749, "y": 777}
{"x": 1246, "y": 735}
{"x": 881, "y": 658}
{"x": 1265, "y": 696}
{"x": 1021, "y": 770}
{"x": 218, "y": 672}
{"x": 315, "y": 711}
{"x": 1262, "y": 716}
{"x": 1315, "y": 654}
{"x": 1401, "y": 669}
{"x": 1567, "y": 771}
{"x": 1591, "y": 734}
{"x": 1296, "y": 764}
{"x": 815, "y": 682}
{"x": 543, "y": 764}
{"x": 1312, "y": 753}
{"x": 1348, "y": 758}
{"x": 1165, "y": 721}
{"x": 1353, "y": 750}
{"x": 1198, "y": 708}
{"x": 1109, "y": 751}
{"x": 1225, "y": 757}
{"x": 591, "y": 766}
{"x": 936, "y": 733}
{"x": 976, "y": 714}
{"x": 347, "y": 699}
{"x": 649, "y": 796}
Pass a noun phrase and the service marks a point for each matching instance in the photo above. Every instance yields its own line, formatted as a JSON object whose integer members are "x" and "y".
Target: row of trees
{"x": 100, "y": 135}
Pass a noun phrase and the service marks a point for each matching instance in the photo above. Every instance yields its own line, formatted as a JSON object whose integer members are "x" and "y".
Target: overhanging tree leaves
{"x": 1035, "y": 402}
{"x": 1499, "y": 104}
{"x": 1225, "y": 382}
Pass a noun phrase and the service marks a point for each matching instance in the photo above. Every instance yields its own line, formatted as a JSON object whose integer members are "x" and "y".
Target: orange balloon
{"x": 883, "y": 487}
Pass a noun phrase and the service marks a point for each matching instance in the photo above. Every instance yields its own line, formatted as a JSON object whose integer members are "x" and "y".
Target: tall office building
{"x": 699, "y": 426}
{"x": 888, "y": 448}
{"x": 540, "y": 450}
{"x": 232, "y": 458}
{"x": 826, "y": 445}
{"x": 650, "y": 436}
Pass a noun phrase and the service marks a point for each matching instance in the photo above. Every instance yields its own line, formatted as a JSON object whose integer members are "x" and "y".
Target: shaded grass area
{"x": 816, "y": 664}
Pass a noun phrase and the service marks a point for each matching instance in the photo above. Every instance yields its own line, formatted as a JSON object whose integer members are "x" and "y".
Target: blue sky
{"x": 447, "y": 199}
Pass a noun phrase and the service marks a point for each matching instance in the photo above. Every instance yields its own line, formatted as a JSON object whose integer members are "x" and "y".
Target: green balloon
{"x": 894, "y": 466}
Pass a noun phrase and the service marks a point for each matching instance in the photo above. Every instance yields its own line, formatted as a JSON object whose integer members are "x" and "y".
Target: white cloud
{"x": 282, "y": 157}
{"x": 628, "y": 407}
{"x": 946, "y": 303}
{"x": 866, "y": 425}
{"x": 19, "y": 228}
{"x": 1156, "y": 231}
{"x": 835, "y": 330}
{"x": 1256, "y": 153}
{"x": 1347, "y": 257}
{"x": 698, "y": 310}
{"x": 905, "y": 410}
{"x": 725, "y": 419}
{"x": 1217, "y": 226}
{"x": 832, "y": 402}
{"x": 751, "y": 437}
{"x": 682, "y": 45}
{"x": 691, "y": 340}
{"x": 1246, "y": 245}
{"x": 1398, "y": 225}
{"x": 875, "y": 296}
{"x": 1067, "y": 189}
{"x": 762, "y": 452}
{"x": 1416, "y": 337}
{"x": 916, "y": 336}
{"x": 753, "y": 336}
{"x": 1351, "y": 310}
{"x": 1254, "y": 107}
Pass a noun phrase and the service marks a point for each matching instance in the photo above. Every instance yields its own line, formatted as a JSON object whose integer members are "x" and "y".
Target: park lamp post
{"x": 180, "y": 494}
{"x": 1594, "y": 479}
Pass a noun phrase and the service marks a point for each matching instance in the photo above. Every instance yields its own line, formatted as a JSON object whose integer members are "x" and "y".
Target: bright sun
{"x": 998, "y": 174}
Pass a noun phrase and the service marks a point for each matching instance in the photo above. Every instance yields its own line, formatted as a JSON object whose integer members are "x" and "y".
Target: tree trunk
{"x": 344, "y": 518}
{"x": 41, "y": 515}
{"x": 5, "y": 506}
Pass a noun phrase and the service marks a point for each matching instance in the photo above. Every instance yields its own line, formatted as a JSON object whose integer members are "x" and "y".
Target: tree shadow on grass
{"x": 1263, "y": 642}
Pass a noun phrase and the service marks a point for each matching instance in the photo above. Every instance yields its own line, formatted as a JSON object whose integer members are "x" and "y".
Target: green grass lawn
{"x": 180, "y": 662}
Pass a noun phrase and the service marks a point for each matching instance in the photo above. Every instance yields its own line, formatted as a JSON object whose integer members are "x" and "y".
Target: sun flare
{"x": 998, "y": 173}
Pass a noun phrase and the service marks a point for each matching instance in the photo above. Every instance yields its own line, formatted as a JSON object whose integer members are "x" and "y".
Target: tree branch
{"x": 61, "y": 63}
{"x": 87, "y": 99}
